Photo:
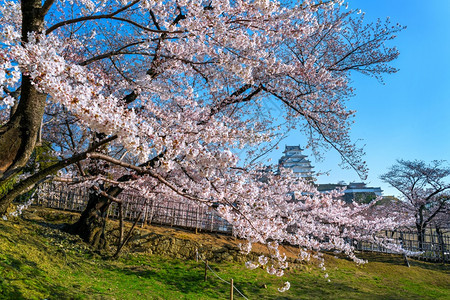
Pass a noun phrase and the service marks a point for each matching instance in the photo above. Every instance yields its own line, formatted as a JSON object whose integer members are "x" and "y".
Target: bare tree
{"x": 425, "y": 191}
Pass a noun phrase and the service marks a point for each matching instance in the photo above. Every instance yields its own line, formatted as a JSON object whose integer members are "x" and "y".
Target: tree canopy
{"x": 178, "y": 86}
{"x": 425, "y": 189}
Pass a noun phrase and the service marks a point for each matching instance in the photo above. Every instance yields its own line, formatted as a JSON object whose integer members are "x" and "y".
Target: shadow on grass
{"x": 180, "y": 279}
{"x": 18, "y": 276}
{"x": 8, "y": 291}
{"x": 399, "y": 260}
{"x": 188, "y": 278}
{"x": 373, "y": 257}
{"x": 431, "y": 266}
{"x": 321, "y": 289}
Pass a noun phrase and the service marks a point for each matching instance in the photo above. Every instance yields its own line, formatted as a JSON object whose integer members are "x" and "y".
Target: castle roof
{"x": 292, "y": 148}
{"x": 295, "y": 160}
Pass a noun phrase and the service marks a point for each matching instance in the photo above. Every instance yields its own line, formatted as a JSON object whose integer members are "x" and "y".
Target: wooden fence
{"x": 189, "y": 215}
{"x": 172, "y": 213}
{"x": 436, "y": 246}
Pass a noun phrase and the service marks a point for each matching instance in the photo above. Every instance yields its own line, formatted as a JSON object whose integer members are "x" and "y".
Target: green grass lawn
{"x": 37, "y": 262}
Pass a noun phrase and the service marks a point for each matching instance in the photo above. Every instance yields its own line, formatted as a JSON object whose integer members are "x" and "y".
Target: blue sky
{"x": 409, "y": 116}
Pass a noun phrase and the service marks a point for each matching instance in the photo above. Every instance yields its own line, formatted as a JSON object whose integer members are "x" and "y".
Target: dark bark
{"x": 92, "y": 222}
{"x": 120, "y": 225}
{"x": 30, "y": 182}
{"x": 18, "y": 136}
{"x": 420, "y": 236}
{"x": 441, "y": 243}
{"x": 91, "y": 225}
{"x": 93, "y": 219}
{"x": 121, "y": 245}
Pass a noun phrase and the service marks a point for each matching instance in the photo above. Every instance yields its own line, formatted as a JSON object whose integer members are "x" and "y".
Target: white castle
{"x": 354, "y": 192}
{"x": 296, "y": 161}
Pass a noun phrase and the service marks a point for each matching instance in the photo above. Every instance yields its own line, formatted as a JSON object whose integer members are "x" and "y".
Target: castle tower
{"x": 295, "y": 160}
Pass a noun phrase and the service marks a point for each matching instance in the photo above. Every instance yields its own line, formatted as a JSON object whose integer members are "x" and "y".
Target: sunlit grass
{"x": 36, "y": 263}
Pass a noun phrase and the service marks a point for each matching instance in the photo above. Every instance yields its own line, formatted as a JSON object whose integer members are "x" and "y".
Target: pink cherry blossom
{"x": 189, "y": 80}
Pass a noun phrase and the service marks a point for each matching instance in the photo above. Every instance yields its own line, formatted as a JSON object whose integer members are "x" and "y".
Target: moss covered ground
{"x": 38, "y": 261}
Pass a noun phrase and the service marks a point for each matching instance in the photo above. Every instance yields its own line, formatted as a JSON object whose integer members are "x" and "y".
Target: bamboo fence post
{"x": 196, "y": 219}
{"x": 108, "y": 210}
{"x": 179, "y": 216}
{"x": 212, "y": 221}
{"x": 67, "y": 199}
{"x": 231, "y": 289}
{"x": 73, "y": 201}
{"x": 151, "y": 212}
{"x": 125, "y": 211}
{"x": 128, "y": 236}
{"x": 172, "y": 221}
{"x": 144, "y": 220}
{"x": 441, "y": 243}
{"x": 120, "y": 224}
{"x": 431, "y": 239}
{"x": 60, "y": 197}
{"x": 166, "y": 215}
{"x": 133, "y": 208}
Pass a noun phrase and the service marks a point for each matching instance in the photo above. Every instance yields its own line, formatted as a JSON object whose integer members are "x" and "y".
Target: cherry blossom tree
{"x": 425, "y": 191}
{"x": 180, "y": 85}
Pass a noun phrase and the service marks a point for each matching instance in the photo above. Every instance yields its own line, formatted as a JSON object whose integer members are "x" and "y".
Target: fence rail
{"x": 172, "y": 213}
{"x": 436, "y": 246}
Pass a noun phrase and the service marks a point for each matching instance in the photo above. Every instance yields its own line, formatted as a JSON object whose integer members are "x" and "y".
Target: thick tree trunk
{"x": 420, "y": 236}
{"x": 442, "y": 247}
{"x": 93, "y": 219}
{"x": 91, "y": 225}
{"x": 18, "y": 136}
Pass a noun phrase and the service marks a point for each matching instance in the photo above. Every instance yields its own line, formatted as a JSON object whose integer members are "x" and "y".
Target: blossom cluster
{"x": 186, "y": 81}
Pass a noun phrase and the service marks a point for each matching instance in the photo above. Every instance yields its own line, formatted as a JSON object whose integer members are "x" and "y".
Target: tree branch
{"x": 143, "y": 170}
{"x": 27, "y": 184}
{"x": 107, "y": 16}
{"x": 46, "y": 7}
{"x": 105, "y": 194}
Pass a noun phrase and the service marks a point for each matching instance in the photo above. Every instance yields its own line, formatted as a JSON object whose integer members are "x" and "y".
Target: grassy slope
{"x": 38, "y": 262}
